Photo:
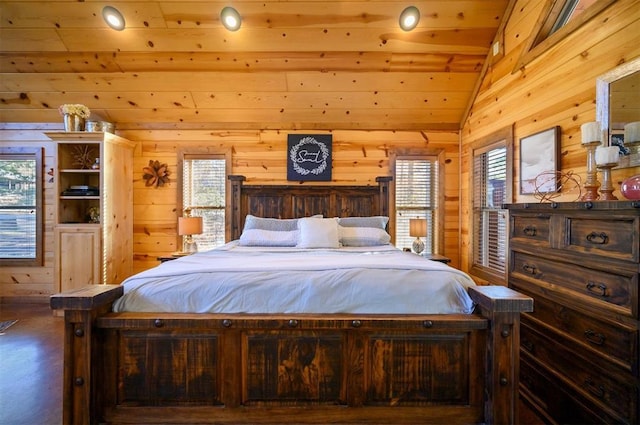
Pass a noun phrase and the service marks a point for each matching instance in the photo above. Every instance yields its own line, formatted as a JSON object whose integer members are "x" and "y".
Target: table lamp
{"x": 187, "y": 227}
{"x": 417, "y": 228}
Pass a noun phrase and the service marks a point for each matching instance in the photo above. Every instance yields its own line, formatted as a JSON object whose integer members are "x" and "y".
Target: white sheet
{"x": 238, "y": 279}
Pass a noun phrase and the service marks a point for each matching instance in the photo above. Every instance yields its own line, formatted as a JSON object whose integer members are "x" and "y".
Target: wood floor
{"x": 31, "y": 367}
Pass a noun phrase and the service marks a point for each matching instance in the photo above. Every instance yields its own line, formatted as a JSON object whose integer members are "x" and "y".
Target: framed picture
{"x": 539, "y": 162}
{"x": 309, "y": 157}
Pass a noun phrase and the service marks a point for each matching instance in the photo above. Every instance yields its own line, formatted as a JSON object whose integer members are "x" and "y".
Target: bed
{"x": 139, "y": 359}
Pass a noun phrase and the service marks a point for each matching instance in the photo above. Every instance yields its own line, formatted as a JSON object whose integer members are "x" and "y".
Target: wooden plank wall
{"x": 358, "y": 157}
{"x": 557, "y": 89}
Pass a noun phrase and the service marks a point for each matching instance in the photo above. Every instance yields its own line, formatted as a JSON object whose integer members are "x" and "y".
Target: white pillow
{"x": 318, "y": 233}
{"x": 363, "y": 236}
{"x": 261, "y": 237}
{"x": 378, "y": 221}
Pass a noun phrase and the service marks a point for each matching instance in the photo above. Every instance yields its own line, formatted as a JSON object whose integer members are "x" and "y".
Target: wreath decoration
{"x": 156, "y": 174}
{"x": 293, "y": 155}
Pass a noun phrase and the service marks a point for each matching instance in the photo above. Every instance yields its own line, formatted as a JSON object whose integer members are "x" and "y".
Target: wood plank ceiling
{"x": 293, "y": 64}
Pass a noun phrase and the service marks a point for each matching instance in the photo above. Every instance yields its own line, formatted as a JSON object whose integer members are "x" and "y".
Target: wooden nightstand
{"x": 165, "y": 258}
{"x": 437, "y": 257}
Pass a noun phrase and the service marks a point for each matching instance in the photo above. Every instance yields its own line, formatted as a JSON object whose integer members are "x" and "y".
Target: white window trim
{"x": 501, "y": 138}
{"x": 439, "y": 220}
{"x": 204, "y": 154}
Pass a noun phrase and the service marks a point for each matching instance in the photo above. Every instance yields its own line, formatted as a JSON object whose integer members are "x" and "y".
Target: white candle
{"x": 591, "y": 132}
{"x": 607, "y": 155}
{"x": 632, "y": 132}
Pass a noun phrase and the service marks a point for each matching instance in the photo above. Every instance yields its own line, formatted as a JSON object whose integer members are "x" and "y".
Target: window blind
{"x": 490, "y": 184}
{"x": 204, "y": 183}
{"x": 416, "y": 197}
{"x": 18, "y": 207}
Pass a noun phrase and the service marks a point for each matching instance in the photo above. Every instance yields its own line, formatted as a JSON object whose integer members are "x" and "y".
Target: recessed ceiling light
{"x": 409, "y": 18}
{"x": 230, "y": 18}
{"x": 113, "y": 18}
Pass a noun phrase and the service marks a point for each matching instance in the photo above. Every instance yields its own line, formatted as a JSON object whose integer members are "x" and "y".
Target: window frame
{"x": 39, "y": 250}
{"x": 438, "y": 222}
{"x": 203, "y": 154}
{"x": 496, "y": 140}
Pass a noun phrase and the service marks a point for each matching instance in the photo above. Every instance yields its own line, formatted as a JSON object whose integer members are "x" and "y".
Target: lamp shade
{"x": 189, "y": 225}
{"x": 417, "y": 227}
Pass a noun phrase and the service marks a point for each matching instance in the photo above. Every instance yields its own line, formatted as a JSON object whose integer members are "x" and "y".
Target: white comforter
{"x": 236, "y": 279}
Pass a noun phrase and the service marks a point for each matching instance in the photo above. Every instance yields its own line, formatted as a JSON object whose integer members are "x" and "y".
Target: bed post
{"x": 502, "y": 306}
{"x": 383, "y": 183}
{"x": 236, "y": 207}
{"x": 82, "y": 346}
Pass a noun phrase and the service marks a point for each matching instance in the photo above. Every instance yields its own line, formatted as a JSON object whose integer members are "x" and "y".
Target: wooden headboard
{"x": 295, "y": 201}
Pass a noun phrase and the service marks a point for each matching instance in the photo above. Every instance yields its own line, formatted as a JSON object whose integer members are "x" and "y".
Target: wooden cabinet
{"x": 579, "y": 348}
{"x": 94, "y": 209}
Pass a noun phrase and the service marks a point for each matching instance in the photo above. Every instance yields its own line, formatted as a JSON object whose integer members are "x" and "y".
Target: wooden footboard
{"x": 258, "y": 369}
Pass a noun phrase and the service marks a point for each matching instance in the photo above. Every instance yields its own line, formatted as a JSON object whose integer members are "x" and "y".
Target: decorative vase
{"x": 630, "y": 188}
{"x": 73, "y": 122}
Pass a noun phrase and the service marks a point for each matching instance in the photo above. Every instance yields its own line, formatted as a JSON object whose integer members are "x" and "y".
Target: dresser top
{"x": 576, "y": 206}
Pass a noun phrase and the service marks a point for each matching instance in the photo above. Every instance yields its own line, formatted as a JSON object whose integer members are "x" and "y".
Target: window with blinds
{"x": 20, "y": 206}
{"x": 491, "y": 181}
{"x": 416, "y": 182}
{"x": 203, "y": 193}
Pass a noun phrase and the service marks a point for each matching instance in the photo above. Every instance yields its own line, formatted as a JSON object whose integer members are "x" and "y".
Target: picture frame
{"x": 540, "y": 162}
{"x": 309, "y": 157}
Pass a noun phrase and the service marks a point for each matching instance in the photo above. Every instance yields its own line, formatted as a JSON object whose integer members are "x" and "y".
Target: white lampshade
{"x": 417, "y": 227}
{"x": 189, "y": 225}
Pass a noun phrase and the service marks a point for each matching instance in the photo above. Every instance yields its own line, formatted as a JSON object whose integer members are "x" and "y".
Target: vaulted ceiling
{"x": 292, "y": 65}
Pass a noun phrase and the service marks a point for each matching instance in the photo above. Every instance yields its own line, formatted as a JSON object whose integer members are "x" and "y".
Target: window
{"x": 559, "y": 18}
{"x": 204, "y": 180}
{"x": 20, "y": 206}
{"x": 417, "y": 195}
{"x": 491, "y": 185}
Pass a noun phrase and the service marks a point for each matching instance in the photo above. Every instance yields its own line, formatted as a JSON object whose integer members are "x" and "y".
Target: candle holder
{"x": 606, "y": 190}
{"x": 591, "y": 184}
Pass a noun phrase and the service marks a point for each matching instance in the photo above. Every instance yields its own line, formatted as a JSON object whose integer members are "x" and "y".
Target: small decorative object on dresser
{"x": 579, "y": 347}
{"x": 606, "y": 159}
{"x": 591, "y": 139}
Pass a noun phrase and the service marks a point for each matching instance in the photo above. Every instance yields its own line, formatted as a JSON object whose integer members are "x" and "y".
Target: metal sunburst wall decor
{"x": 155, "y": 174}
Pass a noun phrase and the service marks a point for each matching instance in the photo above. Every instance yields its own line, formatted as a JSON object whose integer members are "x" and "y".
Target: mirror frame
{"x": 603, "y": 82}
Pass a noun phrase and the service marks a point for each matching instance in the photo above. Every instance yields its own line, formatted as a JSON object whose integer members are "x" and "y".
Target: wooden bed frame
{"x": 291, "y": 368}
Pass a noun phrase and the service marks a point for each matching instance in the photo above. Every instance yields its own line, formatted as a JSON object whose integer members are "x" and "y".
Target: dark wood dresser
{"x": 579, "y": 348}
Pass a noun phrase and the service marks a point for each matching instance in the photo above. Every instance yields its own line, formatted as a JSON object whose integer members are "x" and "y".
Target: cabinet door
{"x": 77, "y": 257}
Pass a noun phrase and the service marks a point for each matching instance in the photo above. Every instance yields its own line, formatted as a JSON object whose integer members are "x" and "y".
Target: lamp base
{"x": 418, "y": 246}
{"x": 190, "y": 245}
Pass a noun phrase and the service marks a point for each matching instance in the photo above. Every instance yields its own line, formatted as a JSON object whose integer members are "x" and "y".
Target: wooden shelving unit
{"x": 92, "y": 248}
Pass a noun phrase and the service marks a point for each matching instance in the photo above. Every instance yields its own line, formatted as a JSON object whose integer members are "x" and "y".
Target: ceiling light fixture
{"x": 409, "y": 18}
{"x": 113, "y": 18}
{"x": 230, "y": 18}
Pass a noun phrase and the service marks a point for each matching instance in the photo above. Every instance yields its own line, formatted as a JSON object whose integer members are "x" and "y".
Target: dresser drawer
{"x": 607, "y": 236}
{"x": 608, "y": 289}
{"x": 617, "y": 342}
{"x": 551, "y": 396}
{"x": 531, "y": 228}
{"x": 613, "y": 390}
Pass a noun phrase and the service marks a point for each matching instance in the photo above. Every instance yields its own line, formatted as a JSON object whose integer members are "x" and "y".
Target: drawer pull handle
{"x": 599, "y": 289}
{"x": 529, "y": 230}
{"x": 598, "y": 238}
{"x": 529, "y": 269}
{"x": 596, "y": 390}
{"x": 594, "y": 337}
